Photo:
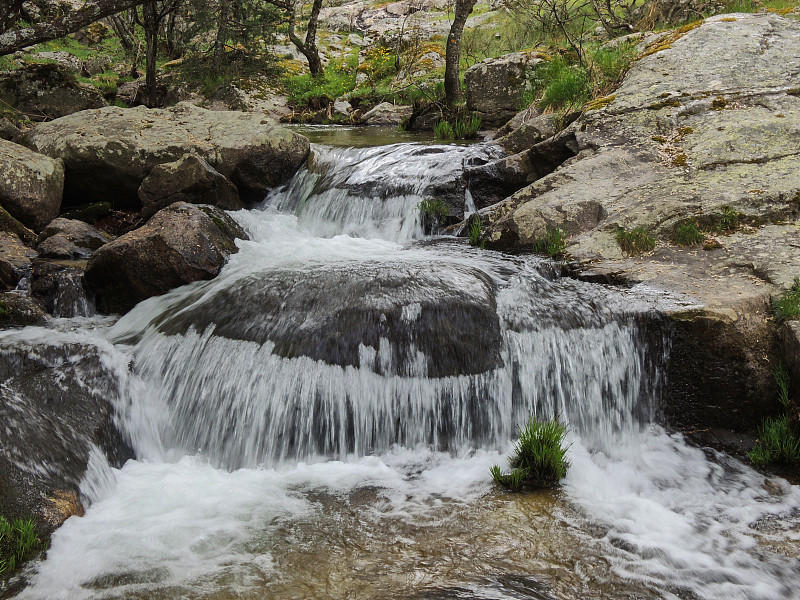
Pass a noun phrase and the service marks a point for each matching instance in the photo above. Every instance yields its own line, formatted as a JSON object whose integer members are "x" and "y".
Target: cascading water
{"x": 319, "y": 420}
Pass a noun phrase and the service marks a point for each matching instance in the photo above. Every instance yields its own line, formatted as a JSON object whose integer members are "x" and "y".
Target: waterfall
{"x": 319, "y": 421}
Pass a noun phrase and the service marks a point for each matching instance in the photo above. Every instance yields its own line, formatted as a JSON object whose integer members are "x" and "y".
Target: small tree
{"x": 150, "y": 16}
{"x": 307, "y": 47}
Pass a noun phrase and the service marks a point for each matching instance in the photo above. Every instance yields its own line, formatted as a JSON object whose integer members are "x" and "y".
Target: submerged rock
{"x": 392, "y": 321}
{"x": 55, "y": 410}
{"x": 31, "y": 185}
{"x": 178, "y": 245}
{"x": 109, "y": 152}
{"x": 190, "y": 179}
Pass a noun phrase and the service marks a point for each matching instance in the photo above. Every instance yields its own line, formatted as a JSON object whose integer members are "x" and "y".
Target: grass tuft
{"x": 554, "y": 242}
{"x": 539, "y": 459}
{"x": 635, "y": 241}
{"x": 474, "y": 232}
{"x": 687, "y": 234}
{"x": 19, "y": 542}
{"x": 787, "y": 307}
{"x": 778, "y": 441}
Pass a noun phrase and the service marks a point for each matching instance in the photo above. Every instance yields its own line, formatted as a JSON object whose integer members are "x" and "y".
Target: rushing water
{"x": 319, "y": 422}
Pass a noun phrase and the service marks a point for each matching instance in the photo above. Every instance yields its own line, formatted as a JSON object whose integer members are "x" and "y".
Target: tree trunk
{"x": 452, "y": 60}
{"x": 151, "y": 39}
{"x": 309, "y": 47}
{"x": 222, "y": 34}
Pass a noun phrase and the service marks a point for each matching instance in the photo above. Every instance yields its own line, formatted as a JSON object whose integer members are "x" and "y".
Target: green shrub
{"x": 475, "y": 231}
{"x": 787, "y": 307}
{"x": 728, "y": 219}
{"x": 687, "y": 234}
{"x": 539, "y": 458}
{"x": 339, "y": 79}
{"x": 19, "y": 542}
{"x": 554, "y": 242}
{"x": 609, "y": 65}
{"x": 443, "y": 131}
{"x": 635, "y": 241}
{"x": 467, "y": 128}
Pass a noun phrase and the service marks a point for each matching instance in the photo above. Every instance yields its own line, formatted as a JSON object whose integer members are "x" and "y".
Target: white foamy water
{"x": 319, "y": 422}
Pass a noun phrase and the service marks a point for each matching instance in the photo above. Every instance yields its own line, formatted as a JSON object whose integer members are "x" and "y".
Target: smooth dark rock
{"x": 61, "y": 288}
{"x": 15, "y": 260}
{"x": 68, "y": 238}
{"x": 178, "y": 245}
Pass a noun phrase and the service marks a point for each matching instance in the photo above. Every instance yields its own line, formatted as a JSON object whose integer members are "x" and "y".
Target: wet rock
{"x": 387, "y": 114}
{"x": 61, "y": 288}
{"x": 47, "y": 91}
{"x": 109, "y": 152}
{"x": 179, "y": 244}
{"x": 190, "y": 179}
{"x": 31, "y": 185}
{"x": 496, "y": 86}
{"x": 18, "y": 309}
{"x": 54, "y": 402}
{"x": 15, "y": 260}
{"x": 68, "y": 238}
{"x": 455, "y": 331}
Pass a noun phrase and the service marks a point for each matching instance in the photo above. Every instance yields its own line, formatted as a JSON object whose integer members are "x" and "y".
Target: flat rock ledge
{"x": 705, "y": 124}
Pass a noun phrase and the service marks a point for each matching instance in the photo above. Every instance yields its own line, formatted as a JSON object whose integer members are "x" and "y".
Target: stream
{"x": 319, "y": 422}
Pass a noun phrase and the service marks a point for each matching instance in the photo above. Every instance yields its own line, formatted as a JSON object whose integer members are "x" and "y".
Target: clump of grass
{"x": 474, "y": 232}
{"x": 687, "y": 234}
{"x": 554, "y": 242}
{"x": 313, "y": 90}
{"x": 778, "y": 441}
{"x": 19, "y": 542}
{"x": 635, "y": 241}
{"x": 433, "y": 210}
{"x": 467, "y": 128}
{"x": 566, "y": 87}
{"x": 787, "y": 307}
{"x": 443, "y": 131}
{"x": 539, "y": 458}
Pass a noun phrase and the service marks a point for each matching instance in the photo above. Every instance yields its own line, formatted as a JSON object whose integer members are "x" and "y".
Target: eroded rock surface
{"x": 704, "y": 128}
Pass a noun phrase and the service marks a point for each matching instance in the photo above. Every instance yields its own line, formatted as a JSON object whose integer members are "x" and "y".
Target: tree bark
{"x": 452, "y": 59}
{"x": 71, "y": 21}
{"x": 308, "y": 47}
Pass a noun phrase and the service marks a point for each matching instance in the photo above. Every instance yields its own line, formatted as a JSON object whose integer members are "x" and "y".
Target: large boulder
{"x": 387, "y": 114}
{"x": 190, "y": 179}
{"x": 496, "y": 87}
{"x": 47, "y": 91}
{"x": 178, "y": 245}
{"x": 70, "y": 238}
{"x": 31, "y": 185}
{"x": 703, "y": 130}
{"x": 109, "y": 152}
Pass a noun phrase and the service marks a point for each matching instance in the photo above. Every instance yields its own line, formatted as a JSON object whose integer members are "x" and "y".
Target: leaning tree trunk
{"x": 309, "y": 46}
{"x": 150, "y": 23}
{"x": 452, "y": 60}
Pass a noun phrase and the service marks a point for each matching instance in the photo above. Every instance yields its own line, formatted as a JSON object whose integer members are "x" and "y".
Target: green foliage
{"x": 635, "y": 241}
{"x": 19, "y": 542}
{"x": 554, "y": 242}
{"x": 466, "y": 128}
{"x": 433, "y": 209}
{"x": 474, "y": 232}
{"x": 339, "y": 79}
{"x": 728, "y": 219}
{"x": 443, "y": 131}
{"x": 566, "y": 87}
{"x": 539, "y": 458}
{"x": 787, "y": 307}
{"x": 609, "y": 65}
{"x": 687, "y": 234}
{"x": 778, "y": 440}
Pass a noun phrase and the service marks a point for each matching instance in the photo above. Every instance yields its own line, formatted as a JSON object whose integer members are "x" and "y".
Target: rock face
{"x": 704, "y": 128}
{"x": 15, "y": 260}
{"x": 31, "y": 185}
{"x": 69, "y": 238}
{"x": 61, "y": 288}
{"x": 190, "y": 179}
{"x": 109, "y": 152}
{"x": 52, "y": 421}
{"x": 387, "y": 114}
{"x": 180, "y": 244}
{"x": 496, "y": 86}
{"x": 47, "y": 91}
